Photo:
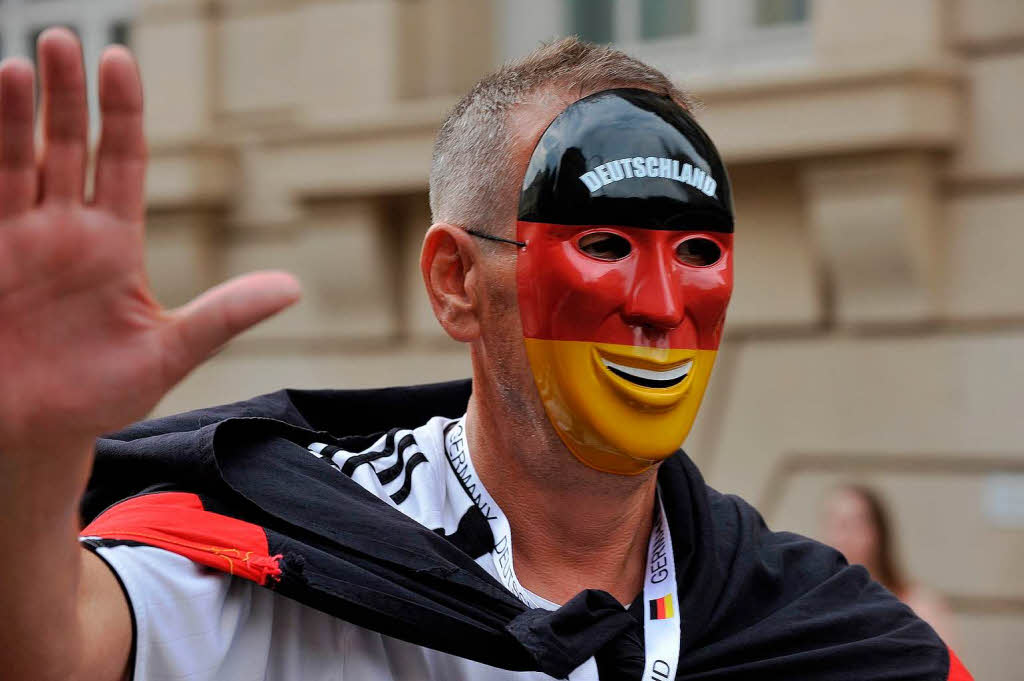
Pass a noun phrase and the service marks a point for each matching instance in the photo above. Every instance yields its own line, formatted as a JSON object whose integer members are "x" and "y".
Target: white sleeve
{"x": 196, "y": 624}
{"x": 193, "y": 623}
{"x": 189, "y": 620}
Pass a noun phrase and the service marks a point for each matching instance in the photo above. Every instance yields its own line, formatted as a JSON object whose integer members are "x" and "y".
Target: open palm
{"x": 84, "y": 347}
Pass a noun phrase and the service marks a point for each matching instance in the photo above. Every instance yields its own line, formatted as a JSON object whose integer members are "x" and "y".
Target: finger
{"x": 223, "y": 312}
{"x": 121, "y": 162}
{"x": 64, "y": 115}
{"x": 17, "y": 147}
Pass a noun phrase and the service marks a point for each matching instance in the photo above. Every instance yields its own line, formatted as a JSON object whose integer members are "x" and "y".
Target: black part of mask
{"x": 586, "y": 168}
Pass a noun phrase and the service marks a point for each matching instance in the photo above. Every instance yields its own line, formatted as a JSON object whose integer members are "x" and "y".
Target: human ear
{"x": 450, "y": 266}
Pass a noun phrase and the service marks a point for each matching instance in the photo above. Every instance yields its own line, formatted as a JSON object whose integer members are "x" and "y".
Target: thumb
{"x": 226, "y": 310}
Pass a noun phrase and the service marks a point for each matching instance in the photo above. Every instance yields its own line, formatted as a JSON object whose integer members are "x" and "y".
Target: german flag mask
{"x": 626, "y": 216}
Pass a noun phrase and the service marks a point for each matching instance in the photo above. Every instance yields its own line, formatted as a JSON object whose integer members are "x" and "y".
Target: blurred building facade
{"x": 877, "y": 154}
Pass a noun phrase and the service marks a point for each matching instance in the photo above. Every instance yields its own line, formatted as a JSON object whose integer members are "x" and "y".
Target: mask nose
{"x": 655, "y": 301}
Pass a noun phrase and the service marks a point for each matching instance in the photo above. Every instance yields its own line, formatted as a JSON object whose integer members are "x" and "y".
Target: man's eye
{"x": 604, "y": 246}
{"x": 699, "y": 252}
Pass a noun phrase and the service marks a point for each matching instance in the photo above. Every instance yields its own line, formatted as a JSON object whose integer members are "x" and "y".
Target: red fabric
{"x": 177, "y": 522}
{"x": 957, "y": 671}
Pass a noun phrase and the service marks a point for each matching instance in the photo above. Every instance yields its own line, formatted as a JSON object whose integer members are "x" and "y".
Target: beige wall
{"x": 877, "y": 327}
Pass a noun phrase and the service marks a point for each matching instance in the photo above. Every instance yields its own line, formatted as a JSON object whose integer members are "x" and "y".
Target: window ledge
{"x": 832, "y": 111}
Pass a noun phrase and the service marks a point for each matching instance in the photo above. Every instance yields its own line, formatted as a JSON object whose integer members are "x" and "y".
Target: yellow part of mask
{"x": 619, "y": 408}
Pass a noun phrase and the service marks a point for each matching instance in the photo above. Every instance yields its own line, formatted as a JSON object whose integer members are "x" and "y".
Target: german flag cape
{"x": 234, "y": 487}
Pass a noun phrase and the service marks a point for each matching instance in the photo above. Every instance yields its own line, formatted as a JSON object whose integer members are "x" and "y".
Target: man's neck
{"x": 573, "y": 528}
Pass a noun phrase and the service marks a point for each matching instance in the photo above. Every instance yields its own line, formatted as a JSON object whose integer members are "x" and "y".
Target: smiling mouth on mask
{"x": 650, "y": 378}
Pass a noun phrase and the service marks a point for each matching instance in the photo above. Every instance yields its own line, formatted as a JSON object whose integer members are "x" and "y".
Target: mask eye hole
{"x": 698, "y": 252}
{"x": 606, "y": 246}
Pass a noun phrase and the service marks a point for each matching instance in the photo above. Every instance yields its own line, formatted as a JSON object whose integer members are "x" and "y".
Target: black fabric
{"x": 754, "y": 604}
{"x": 619, "y": 125}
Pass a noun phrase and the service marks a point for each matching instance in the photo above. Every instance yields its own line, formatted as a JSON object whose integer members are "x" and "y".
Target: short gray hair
{"x": 473, "y": 182}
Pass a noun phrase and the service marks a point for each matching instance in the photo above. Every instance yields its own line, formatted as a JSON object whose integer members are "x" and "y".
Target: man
{"x": 582, "y": 248}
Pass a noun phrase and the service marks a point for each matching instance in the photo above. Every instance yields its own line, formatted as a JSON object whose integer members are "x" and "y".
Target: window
{"x": 682, "y": 37}
{"x": 776, "y": 12}
{"x": 96, "y": 22}
{"x": 667, "y": 18}
{"x": 592, "y": 20}
{"x": 606, "y": 21}
{"x": 120, "y": 33}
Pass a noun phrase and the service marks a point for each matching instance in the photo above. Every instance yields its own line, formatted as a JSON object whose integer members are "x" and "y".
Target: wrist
{"x": 51, "y": 472}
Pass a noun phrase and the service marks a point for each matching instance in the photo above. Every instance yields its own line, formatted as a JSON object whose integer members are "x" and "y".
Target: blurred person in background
{"x": 857, "y": 522}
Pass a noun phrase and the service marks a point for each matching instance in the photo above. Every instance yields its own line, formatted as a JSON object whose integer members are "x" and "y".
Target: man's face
{"x": 621, "y": 327}
{"x": 620, "y": 313}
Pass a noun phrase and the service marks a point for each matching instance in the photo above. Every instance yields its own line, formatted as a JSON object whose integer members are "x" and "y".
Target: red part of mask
{"x": 647, "y": 298}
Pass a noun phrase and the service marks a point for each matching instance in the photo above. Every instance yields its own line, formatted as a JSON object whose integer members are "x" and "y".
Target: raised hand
{"x": 84, "y": 347}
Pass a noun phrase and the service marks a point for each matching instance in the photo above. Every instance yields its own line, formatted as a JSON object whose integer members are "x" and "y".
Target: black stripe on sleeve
{"x": 329, "y": 451}
{"x": 327, "y": 454}
{"x": 401, "y": 495}
{"x": 390, "y": 473}
{"x": 356, "y": 461}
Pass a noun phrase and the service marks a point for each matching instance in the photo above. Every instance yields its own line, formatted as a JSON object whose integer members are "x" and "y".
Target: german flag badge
{"x": 661, "y": 608}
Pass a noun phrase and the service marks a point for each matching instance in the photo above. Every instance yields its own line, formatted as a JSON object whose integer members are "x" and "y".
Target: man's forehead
{"x": 528, "y": 121}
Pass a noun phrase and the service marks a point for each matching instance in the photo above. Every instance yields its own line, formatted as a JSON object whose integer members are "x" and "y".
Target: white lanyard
{"x": 661, "y": 605}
